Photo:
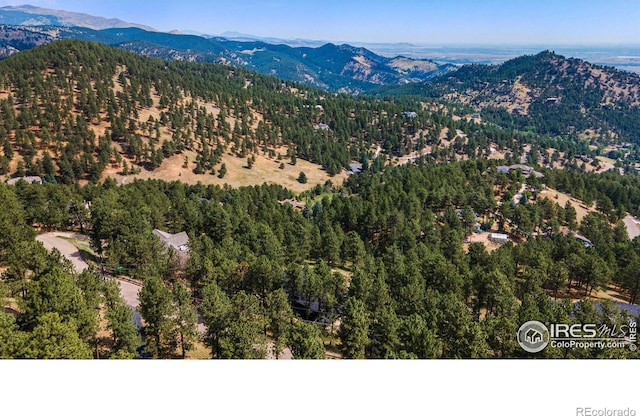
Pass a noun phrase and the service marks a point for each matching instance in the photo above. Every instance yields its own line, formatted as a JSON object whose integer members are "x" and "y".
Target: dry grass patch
{"x": 497, "y": 155}
{"x": 562, "y": 198}
{"x": 484, "y": 240}
{"x": 575, "y": 294}
{"x": 264, "y": 170}
{"x": 606, "y": 163}
{"x": 199, "y": 352}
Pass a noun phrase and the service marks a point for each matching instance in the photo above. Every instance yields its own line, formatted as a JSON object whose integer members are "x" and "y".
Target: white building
{"x": 28, "y": 179}
{"x": 499, "y": 238}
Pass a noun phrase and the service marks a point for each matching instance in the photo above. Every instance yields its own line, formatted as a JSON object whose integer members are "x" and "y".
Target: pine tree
{"x": 305, "y": 341}
{"x": 222, "y": 171}
{"x": 216, "y": 312}
{"x": 155, "y": 309}
{"x": 354, "y": 328}
{"x": 280, "y": 317}
{"x": 185, "y": 319}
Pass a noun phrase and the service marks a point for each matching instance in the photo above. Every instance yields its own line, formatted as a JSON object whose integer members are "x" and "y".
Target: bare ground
{"x": 613, "y": 292}
{"x": 481, "y": 238}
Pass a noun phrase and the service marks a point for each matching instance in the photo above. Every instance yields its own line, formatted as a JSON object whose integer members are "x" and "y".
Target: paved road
{"x": 633, "y": 226}
{"x": 128, "y": 291}
{"x": 51, "y": 240}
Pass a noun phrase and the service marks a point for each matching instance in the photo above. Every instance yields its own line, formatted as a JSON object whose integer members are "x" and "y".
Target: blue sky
{"x": 434, "y": 22}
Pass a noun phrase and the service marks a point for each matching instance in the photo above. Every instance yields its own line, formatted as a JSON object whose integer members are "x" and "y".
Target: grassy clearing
{"x": 199, "y": 352}
{"x": 612, "y": 292}
{"x": 264, "y": 170}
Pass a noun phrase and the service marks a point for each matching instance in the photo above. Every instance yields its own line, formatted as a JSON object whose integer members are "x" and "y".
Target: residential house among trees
{"x": 294, "y": 203}
{"x": 28, "y": 179}
{"x": 178, "y": 243}
{"x": 527, "y": 171}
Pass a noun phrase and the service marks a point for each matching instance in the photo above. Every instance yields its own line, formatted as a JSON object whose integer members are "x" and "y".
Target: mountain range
{"x": 544, "y": 92}
{"x": 334, "y": 67}
{"x": 37, "y": 16}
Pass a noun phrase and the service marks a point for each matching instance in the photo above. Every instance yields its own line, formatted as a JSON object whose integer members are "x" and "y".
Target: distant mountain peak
{"x": 28, "y": 15}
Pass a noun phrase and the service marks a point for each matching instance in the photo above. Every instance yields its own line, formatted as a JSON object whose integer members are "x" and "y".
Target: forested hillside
{"x": 377, "y": 268}
{"x": 72, "y": 109}
{"x": 546, "y": 93}
{"x": 86, "y": 110}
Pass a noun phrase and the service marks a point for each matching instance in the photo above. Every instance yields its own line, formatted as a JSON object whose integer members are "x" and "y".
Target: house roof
{"x": 296, "y": 204}
{"x": 178, "y": 241}
{"x": 526, "y": 170}
{"x": 28, "y": 179}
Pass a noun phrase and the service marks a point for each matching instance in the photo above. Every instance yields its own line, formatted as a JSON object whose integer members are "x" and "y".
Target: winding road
{"x": 57, "y": 240}
{"x": 128, "y": 290}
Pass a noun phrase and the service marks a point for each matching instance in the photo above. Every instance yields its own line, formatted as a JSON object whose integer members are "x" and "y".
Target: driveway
{"x": 129, "y": 292}
{"x": 518, "y": 197}
{"x": 56, "y": 240}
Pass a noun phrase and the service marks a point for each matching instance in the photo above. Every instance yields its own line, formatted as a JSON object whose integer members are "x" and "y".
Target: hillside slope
{"x": 548, "y": 93}
{"x": 75, "y": 110}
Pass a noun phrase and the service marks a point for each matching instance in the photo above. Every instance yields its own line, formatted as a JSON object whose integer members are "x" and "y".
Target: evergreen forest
{"x": 382, "y": 265}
